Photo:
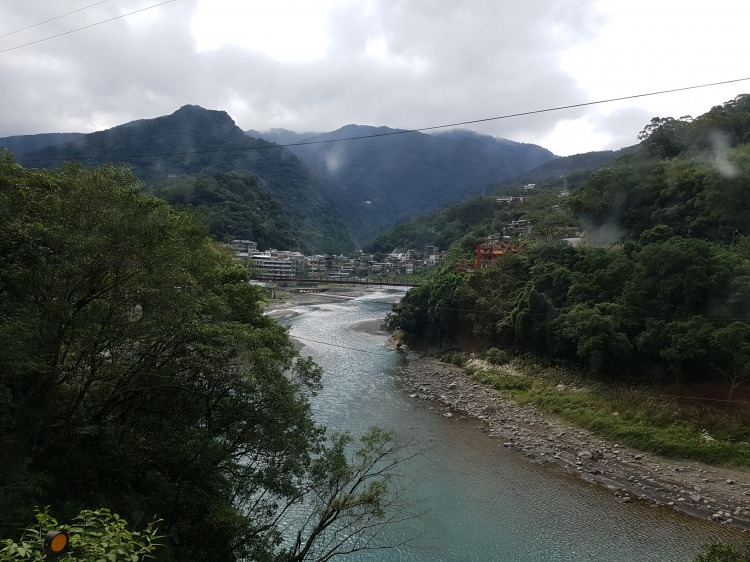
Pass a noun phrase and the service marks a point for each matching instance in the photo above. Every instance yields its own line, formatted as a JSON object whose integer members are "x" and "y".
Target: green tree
{"x": 234, "y": 205}
{"x": 138, "y": 372}
{"x": 683, "y": 345}
{"x": 350, "y": 502}
{"x": 595, "y": 334}
{"x": 665, "y": 137}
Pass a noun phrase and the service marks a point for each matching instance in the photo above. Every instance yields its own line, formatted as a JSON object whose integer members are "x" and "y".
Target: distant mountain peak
{"x": 468, "y": 134}
{"x": 191, "y": 119}
{"x": 190, "y": 109}
{"x": 198, "y": 112}
{"x": 359, "y": 129}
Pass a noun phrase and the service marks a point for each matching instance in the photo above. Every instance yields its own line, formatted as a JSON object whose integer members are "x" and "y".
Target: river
{"x": 482, "y": 502}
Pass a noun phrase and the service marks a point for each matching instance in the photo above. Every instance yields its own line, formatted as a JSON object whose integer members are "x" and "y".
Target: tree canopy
{"x": 660, "y": 290}
{"x": 234, "y": 205}
{"x": 138, "y": 373}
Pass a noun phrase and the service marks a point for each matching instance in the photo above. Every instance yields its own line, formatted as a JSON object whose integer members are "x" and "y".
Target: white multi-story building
{"x": 274, "y": 267}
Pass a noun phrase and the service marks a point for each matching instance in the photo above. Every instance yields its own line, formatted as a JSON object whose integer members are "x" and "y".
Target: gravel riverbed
{"x": 719, "y": 494}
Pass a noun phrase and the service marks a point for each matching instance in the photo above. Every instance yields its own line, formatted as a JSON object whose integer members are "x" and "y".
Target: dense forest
{"x": 326, "y": 196}
{"x": 481, "y": 215}
{"x": 658, "y": 291}
{"x": 234, "y": 205}
{"x": 139, "y": 374}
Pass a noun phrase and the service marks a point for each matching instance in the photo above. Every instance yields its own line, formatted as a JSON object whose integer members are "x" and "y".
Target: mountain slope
{"x": 194, "y": 139}
{"x": 571, "y": 171}
{"x": 444, "y": 226}
{"x": 397, "y": 173}
{"x": 22, "y": 144}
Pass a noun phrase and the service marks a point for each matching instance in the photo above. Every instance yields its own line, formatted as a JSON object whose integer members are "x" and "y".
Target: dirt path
{"x": 702, "y": 490}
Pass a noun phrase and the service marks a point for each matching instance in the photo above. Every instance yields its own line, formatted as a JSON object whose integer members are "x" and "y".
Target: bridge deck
{"x": 368, "y": 281}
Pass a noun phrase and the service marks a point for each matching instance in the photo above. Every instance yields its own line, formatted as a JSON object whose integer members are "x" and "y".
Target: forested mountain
{"x": 658, "y": 291}
{"x": 194, "y": 140}
{"x": 565, "y": 171}
{"x": 440, "y": 228}
{"x": 482, "y": 215}
{"x": 354, "y": 186}
{"x": 690, "y": 180}
{"x": 234, "y": 205}
{"x": 371, "y": 182}
{"x": 22, "y": 144}
{"x": 281, "y": 136}
{"x": 395, "y": 173}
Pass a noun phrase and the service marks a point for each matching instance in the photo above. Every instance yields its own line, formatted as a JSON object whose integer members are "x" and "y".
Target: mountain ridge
{"x": 378, "y": 177}
{"x": 382, "y": 175}
{"x": 193, "y": 140}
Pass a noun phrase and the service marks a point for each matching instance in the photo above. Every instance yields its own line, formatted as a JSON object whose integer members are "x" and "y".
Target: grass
{"x": 647, "y": 420}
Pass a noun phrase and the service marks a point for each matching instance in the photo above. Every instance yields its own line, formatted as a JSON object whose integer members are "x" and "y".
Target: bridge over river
{"x": 373, "y": 281}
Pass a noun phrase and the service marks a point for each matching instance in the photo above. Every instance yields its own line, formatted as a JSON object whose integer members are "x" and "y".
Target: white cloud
{"x": 305, "y": 65}
{"x": 284, "y": 30}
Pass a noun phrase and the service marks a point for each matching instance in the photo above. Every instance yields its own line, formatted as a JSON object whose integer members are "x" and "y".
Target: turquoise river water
{"x": 482, "y": 502}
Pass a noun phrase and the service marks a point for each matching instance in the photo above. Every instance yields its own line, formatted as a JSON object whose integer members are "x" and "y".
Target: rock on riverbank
{"x": 719, "y": 494}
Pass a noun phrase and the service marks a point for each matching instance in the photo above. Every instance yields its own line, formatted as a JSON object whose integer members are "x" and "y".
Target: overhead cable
{"x": 85, "y": 27}
{"x": 401, "y": 131}
{"x": 53, "y": 19}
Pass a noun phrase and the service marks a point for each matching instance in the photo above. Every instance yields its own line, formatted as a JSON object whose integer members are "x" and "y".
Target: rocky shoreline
{"x": 719, "y": 494}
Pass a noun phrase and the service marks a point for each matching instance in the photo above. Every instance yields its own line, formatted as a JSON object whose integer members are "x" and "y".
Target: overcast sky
{"x": 317, "y": 65}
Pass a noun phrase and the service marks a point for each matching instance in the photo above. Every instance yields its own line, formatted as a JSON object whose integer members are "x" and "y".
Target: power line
{"x": 342, "y": 346}
{"x": 392, "y": 133}
{"x": 534, "y": 112}
{"x": 53, "y": 19}
{"x": 85, "y": 26}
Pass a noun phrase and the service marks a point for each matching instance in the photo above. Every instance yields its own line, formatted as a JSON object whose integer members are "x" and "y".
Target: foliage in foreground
{"x": 94, "y": 536}
{"x": 138, "y": 373}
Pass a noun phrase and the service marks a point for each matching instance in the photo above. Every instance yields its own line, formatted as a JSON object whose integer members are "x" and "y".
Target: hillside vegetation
{"x": 658, "y": 293}
{"x": 234, "y": 205}
{"x": 396, "y": 174}
{"x": 161, "y": 152}
{"x": 480, "y": 215}
{"x": 325, "y": 197}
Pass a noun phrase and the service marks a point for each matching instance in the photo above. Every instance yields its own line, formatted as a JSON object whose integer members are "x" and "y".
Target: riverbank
{"x": 710, "y": 492}
{"x": 719, "y": 494}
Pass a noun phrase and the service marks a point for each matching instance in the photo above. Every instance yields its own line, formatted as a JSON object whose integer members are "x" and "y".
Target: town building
{"x": 272, "y": 266}
{"x": 243, "y": 249}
